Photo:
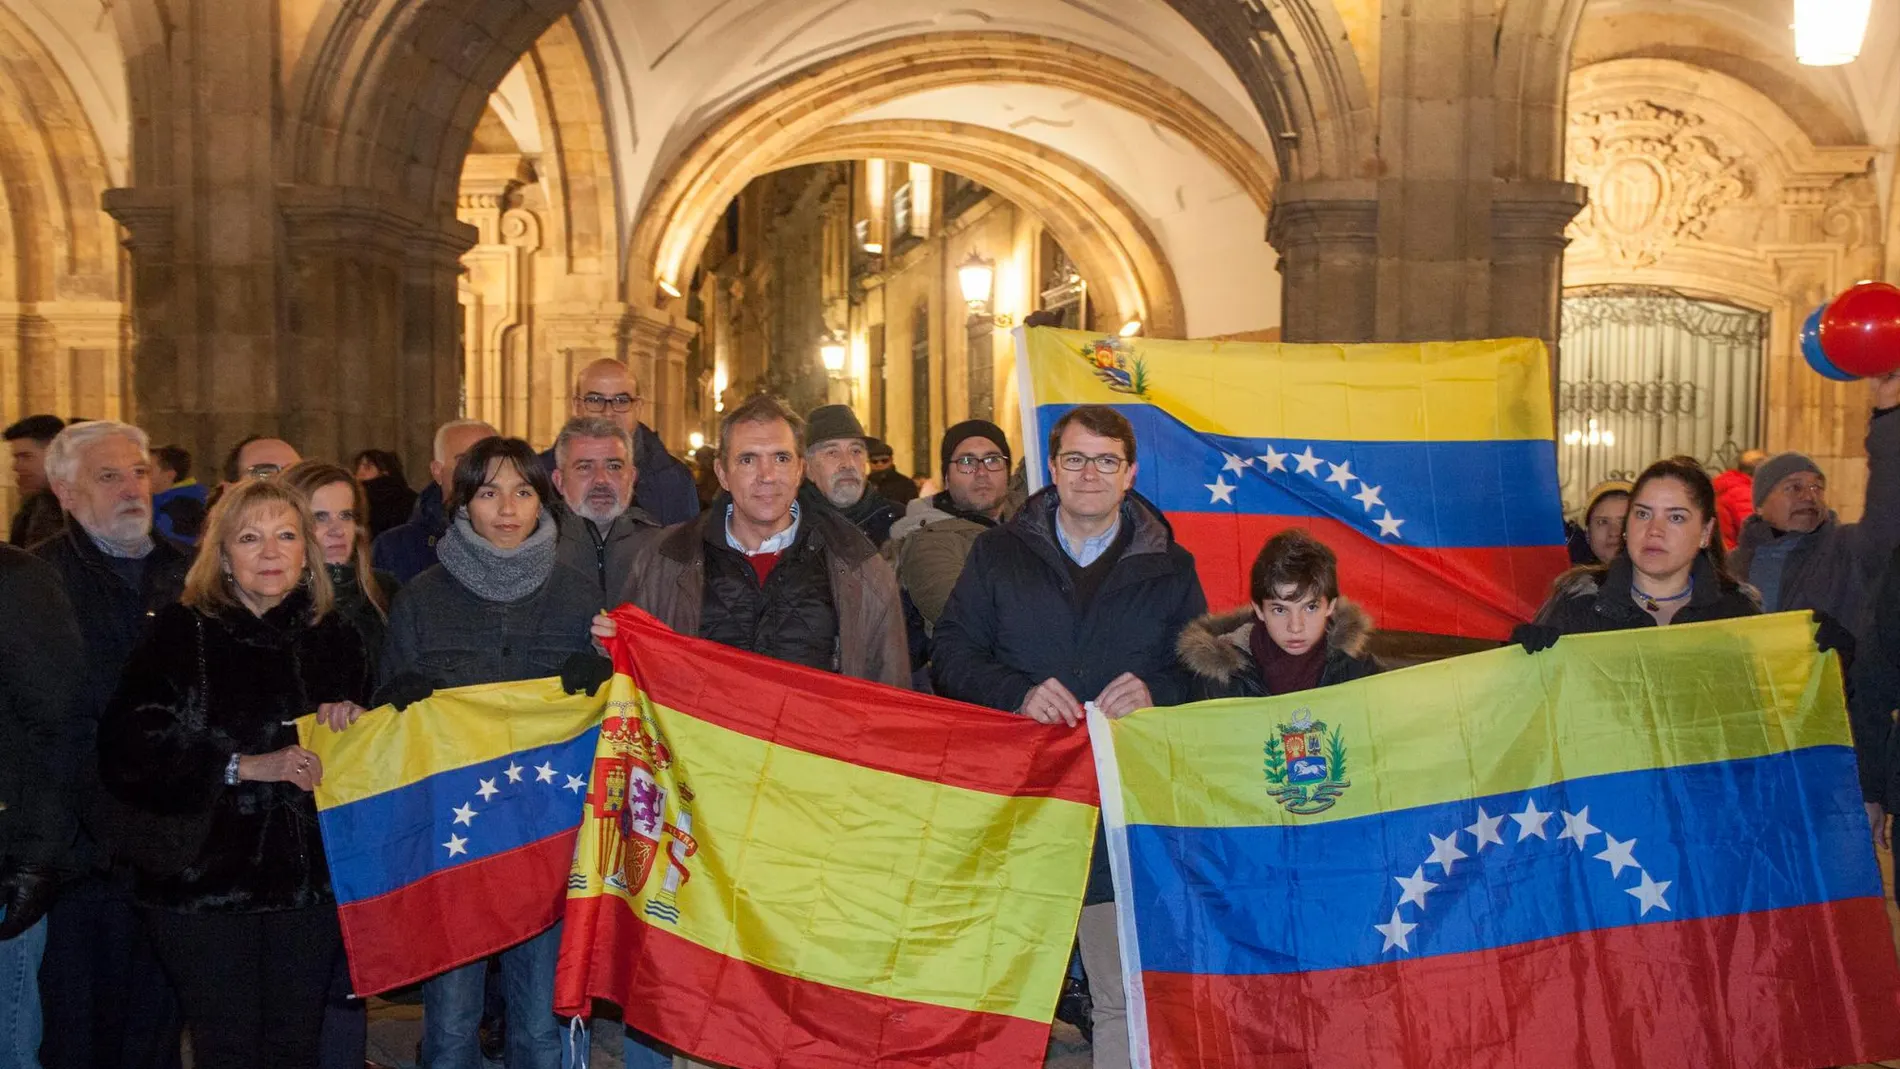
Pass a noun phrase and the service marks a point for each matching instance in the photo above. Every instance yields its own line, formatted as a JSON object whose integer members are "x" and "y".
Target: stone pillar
{"x": 1327, "y": 235}
{"x": 1527, "y": 257}
{"x": 429, "y": 361}
{"x": 655, "y": 347}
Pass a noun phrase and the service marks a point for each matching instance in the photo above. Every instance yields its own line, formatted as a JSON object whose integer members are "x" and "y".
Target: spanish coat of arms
{"x": 1306, "y": 765}
{"x": 636, "y": 821}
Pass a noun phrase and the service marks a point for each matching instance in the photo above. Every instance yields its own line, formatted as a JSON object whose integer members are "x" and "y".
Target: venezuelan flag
{"x": 787, "y": 868}
{"x": 449, "y": 826}
{"x": 1636, "y": 849}
{"x": 1430, "y": 469}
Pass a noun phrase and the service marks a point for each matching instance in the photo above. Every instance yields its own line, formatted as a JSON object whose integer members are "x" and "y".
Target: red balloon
{"x": 1860, "y": 331}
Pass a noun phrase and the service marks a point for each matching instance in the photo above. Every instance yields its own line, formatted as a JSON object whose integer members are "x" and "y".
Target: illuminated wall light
{"x": 1828, "y": 33}
{"x": 719, "y": 388}
{"x": 831, "y": 353}
{"x": 696, "y": 441}
{"x": 873, "y": 247}
{"x": 1131, "y": 328}
{"x": 669, "y": 289}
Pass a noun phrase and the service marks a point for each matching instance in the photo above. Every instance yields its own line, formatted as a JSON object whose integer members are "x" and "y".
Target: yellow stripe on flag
{"x": 451, "y": 729}
{"x": 1629, "y": 701}
{"x": 1474, "y": 391}
{"x": 847, "y": 876}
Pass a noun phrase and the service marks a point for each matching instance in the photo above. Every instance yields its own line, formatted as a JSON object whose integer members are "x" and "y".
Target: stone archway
{"x": 1096, "y": 224}
{"x": 62, "y": 321}
{"x": 769, "y": 125}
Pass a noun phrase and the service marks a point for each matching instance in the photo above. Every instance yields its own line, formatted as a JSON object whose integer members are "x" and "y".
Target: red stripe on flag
{"x": 474, "y": 910}
{"x": 734, "y": 1013}
{"x": 1808, "y": 986}
{"x": 916, "y": 735}
{"x": 1477, "y": 592}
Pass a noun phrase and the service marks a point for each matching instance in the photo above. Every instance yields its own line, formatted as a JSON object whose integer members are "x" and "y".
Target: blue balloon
{"x": 1811, "y": 349}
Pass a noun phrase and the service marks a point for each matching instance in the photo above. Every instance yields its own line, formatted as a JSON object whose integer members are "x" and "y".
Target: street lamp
{"x": 831, "y": 354}
{"x": 976, "y": 277}
{"x": 1828, "y": 33}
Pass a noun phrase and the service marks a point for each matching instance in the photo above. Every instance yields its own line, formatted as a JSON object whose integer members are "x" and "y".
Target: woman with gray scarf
{"x": 496, "y": 608}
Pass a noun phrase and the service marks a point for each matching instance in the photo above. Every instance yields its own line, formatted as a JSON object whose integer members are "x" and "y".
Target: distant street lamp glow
{"x": 1828, "y": 33}
{"x": 832, "y": 354}
{"x": 976, "y": 277}
{"x": 696, "y": 441}
{"x": 1131, "y": 328}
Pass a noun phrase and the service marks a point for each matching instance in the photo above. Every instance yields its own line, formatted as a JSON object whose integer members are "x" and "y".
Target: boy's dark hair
{"x": 1096, "y": 419}
{"x": 41, "y": 429}
{"x": 1294, "y": 559}
{"x": 472, "y": 470}
{"x": 175, "y": 459}
{"x": 386, "y": 462}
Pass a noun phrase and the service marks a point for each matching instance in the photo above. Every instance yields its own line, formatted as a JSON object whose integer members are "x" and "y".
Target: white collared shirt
{"x": 778, "y": 543}
{"x": 1089, "y": 550}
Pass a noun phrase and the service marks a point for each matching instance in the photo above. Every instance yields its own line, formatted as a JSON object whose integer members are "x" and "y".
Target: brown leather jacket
{"x": 669, "y": 578}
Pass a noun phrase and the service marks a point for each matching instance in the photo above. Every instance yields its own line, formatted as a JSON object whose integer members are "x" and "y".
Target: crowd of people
{"x": 161, "y": 866}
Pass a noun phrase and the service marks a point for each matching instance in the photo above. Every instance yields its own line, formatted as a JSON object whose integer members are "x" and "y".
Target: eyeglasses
{"x": 969, "y": 462}
{"x": 598, "y": 403}
{"x": 262, "y": 471}
{"x": 1106, "y": 463}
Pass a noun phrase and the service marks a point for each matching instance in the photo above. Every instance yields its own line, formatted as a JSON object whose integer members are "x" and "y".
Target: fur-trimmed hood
{"x": 1216, "y": 646}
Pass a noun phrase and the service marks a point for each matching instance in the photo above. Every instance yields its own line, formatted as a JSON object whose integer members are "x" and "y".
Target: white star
{"x": 1486, "y": 829}
{"x": 1220, "y": 490}
{"x": 1445, "y": 851}
{"x": 1650, "y": 894}
{"x": 1389, "y": 527}
{"x": 1309, "y": 464}
{"x": 514, "y": 772}
{"x": 1368, "y": 495}
{"x": 576, "y": 784}
{"x": 1577, "y": 827}
{"x": 1273, "y": 459}
{"x": 1416, "y": 887}
{"x": 464, "y": 814}
{"x": 544, "y": 773}
{"x": 1618, "y": 854}
{"x": 1237, "y": 465}
{"x": 1530, "y": 822}
{"x": 488, "y": 790}
{"x": 1395, "y": 932}
{"x": 1342, "y": 474}
{"x": 457, "y": 845}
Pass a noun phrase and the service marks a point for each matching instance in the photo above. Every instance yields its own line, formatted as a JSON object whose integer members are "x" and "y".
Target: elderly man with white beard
{"x": 106, "y": 998}
{"x": 602, "y": 530}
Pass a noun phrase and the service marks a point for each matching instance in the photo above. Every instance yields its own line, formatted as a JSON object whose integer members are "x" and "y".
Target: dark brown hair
{"x": 761, "y": 408}
{"x": 1296, "y": 559}
{"x": 1688, "y": 471}
{"x": 1095, "y": 419}
{"x": 471, "y": 472}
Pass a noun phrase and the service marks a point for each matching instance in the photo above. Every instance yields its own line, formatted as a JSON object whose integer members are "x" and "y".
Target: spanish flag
{"x": 449, "y": 826}
{"x": 780, "y": 867}
{"x": 1430, "y": 469}
{"x": 1636, "y": 849}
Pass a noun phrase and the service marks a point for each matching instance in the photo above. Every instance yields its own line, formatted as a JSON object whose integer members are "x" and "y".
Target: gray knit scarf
{"x": 498, "y": 574}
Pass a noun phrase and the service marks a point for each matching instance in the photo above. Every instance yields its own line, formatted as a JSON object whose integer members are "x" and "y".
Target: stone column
{"x": 1527, "y": 257}
{"x": 429, "y": 360}
{"x": 1327, "y": 235}
{"x": 655, "y": 347}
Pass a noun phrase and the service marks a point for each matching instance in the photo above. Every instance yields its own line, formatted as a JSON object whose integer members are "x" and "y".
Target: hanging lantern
{"x": 1828, "y": 33}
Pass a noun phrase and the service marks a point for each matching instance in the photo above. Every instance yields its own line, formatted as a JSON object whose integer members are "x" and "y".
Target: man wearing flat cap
{"x": 838, "y": 463}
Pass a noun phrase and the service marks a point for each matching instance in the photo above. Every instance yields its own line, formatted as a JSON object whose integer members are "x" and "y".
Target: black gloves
{"x": 407, "y": 689}
{"x": 1830, "y": 635}
{"x": 585, "y": 672}
{"x": 26, "y": 893}
{"x": 1535, "y": 638}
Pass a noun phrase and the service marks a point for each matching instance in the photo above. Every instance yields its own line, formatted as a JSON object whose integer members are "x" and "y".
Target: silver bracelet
{"x": 231, "y": 771}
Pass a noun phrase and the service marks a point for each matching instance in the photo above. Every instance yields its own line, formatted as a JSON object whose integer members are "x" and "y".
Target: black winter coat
{"x": 41, "y": 664}
{"x": 451, "y": 636}
{"x": 164, "y": 745}
{"x": 1597, "y": 598}
{"x": 354, "y": 606}
{"x": 1875, "y": 694}
{"x": 1011, "y": 621}
{"x": 113, "y": 617}
{"x": 1216, "y": 648}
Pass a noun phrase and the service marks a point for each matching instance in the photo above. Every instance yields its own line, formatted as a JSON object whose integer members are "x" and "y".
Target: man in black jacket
{"x": 1080, "y": 597}
{"x": 107, "y": 1002}
{"x": 607, "y": 389}
{"x": 838, "y": 463}
{"x": 40, "y": 665}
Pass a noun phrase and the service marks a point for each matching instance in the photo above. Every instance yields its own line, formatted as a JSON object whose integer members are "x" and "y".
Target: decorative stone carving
{"x": 1656, "y": 176}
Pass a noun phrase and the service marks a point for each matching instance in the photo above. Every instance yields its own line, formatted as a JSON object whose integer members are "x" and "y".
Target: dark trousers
{"x": 251, "y": 985}
{"x": 107, "y": 1002}
{"x": 345, "y": 1022}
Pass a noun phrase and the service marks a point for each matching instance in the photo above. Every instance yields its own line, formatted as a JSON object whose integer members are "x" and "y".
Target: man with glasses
{"x": 1080, "y": 597}
{"x": 929, "y": 545}
{"x": 606, "y": 389}
{"x": 258, "y": 457}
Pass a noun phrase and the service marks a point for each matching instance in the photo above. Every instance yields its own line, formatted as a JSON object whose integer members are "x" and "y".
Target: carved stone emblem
{"x": 1655, "y": 178}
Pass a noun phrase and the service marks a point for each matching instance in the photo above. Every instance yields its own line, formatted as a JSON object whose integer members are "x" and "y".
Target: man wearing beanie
{"x": 1797, "y": 553}
{"x": 929, "y": 545}
{"x": 838, "y": 463}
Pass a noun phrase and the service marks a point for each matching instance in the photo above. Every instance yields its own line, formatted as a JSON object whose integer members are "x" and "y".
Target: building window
{"x": 1647, "y": 373}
